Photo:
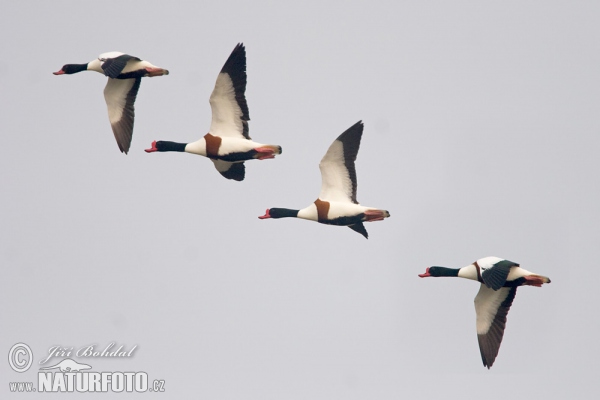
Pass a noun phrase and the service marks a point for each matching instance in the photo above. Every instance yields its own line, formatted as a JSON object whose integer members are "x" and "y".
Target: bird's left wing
{"x": 491, "y": 307}
{"x": 230, "y": 113}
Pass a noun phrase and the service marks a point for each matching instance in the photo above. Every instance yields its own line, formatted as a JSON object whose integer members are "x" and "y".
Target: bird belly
{"x": 235, "y": 145}
{"x": 344, "y": 214}
{"x": 236, "y": 150}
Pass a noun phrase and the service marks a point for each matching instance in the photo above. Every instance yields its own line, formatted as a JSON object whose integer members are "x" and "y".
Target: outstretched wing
{"x": 338, "y": 174}
{"x": 491, "y": 307}
{"x": 113, "y": 66}
{"x": 230, "y": 113}
{"x": 120, "y": 96}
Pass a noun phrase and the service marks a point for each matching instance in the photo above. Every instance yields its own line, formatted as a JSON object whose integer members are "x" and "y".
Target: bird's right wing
{"x": 120, "y": 96}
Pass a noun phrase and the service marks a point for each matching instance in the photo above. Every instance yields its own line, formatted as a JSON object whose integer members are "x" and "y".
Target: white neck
{"x": 197, "y": 147}
{"x": 95, "y": 65}
{"x": 309, "y": 213}
{"x": 468, "y": 272}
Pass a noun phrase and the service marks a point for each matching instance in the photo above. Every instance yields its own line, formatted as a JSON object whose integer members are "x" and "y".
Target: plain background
{"x": 481, "y": 138}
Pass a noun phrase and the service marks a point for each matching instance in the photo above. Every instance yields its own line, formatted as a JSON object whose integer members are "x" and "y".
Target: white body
{"x": 470, "y": 271}
{"x": 228, "y": 145}
{"x": 132, "y": 65}
{"x": 336, "y": 210}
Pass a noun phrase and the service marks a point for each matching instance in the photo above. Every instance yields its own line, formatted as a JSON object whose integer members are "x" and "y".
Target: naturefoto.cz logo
{"x": 69, "y": 375}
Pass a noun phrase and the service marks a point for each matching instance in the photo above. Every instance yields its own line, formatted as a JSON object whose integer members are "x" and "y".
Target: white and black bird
{"x": 227, "y": 143}
{"x": 499, "y": 281}
{"x": 124, "y": 74}
{"x": 337, "y": 204}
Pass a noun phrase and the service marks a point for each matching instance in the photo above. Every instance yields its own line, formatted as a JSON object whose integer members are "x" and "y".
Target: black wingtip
{"x": 235, "y": 67}
{"x": 236, "y": 62}
{"x": 352, "y": 134}
{"x": 350, "y": 139}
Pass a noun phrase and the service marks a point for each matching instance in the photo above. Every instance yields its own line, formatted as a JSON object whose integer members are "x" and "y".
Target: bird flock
{"x": 228, "y": 145}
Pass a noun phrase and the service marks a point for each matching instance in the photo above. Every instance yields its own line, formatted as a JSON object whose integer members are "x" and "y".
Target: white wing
{"x": 230, "y": 114}
{"x": 338, "y": 174}
{"x": 120, "y": 96}
{"x": 491, "y": 307}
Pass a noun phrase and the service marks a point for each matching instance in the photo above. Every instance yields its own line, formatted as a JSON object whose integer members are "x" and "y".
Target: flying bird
{"x": 227, "y": 143}
{"x": 499, "y": 281}
{"x": 337, "y": 204}
{"x": 124, "y": 74}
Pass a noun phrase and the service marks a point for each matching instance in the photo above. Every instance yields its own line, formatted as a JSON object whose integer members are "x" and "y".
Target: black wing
{"x": 360, "y": 228}
{"x": 112, "y": 67}
{"x": 235, "y": 171}
{"x": 495, "y": 277}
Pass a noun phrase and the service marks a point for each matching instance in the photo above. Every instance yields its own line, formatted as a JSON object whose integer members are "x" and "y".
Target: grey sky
{"x": 481, "y": 138}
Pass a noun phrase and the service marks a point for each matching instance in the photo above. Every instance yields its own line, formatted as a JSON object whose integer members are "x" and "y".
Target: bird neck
{"x": 310, "y": 213}
{"x": 198, "y": 147}
{"x": 171, "y": 146}
{"x": 469, "y": 272}
{"x": 74, "y": 68}
{"x": 283, "y": 213}
{"x": 445, "y": 272}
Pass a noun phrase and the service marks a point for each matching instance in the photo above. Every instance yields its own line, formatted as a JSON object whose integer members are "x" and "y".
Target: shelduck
{"x": 499, "y": 281}
{"x": 227, "y": 143}
{"x": 337, "y": 204}
{"x": 124, "y": 74}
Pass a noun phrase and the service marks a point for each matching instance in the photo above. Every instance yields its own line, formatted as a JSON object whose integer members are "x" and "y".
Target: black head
{"x": 439, "y": 271}
{"x": 162, "y": 145}
{"x": 71, "y": 69}
{"x": 279, "y": 213}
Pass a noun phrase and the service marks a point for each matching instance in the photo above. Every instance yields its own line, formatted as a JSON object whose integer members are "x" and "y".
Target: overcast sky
{"x": 481, "y": 138}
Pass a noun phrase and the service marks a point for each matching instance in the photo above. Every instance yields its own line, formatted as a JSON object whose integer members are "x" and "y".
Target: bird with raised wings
{"x": 227, "y": 143}
{"x": 337, "y": 203}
